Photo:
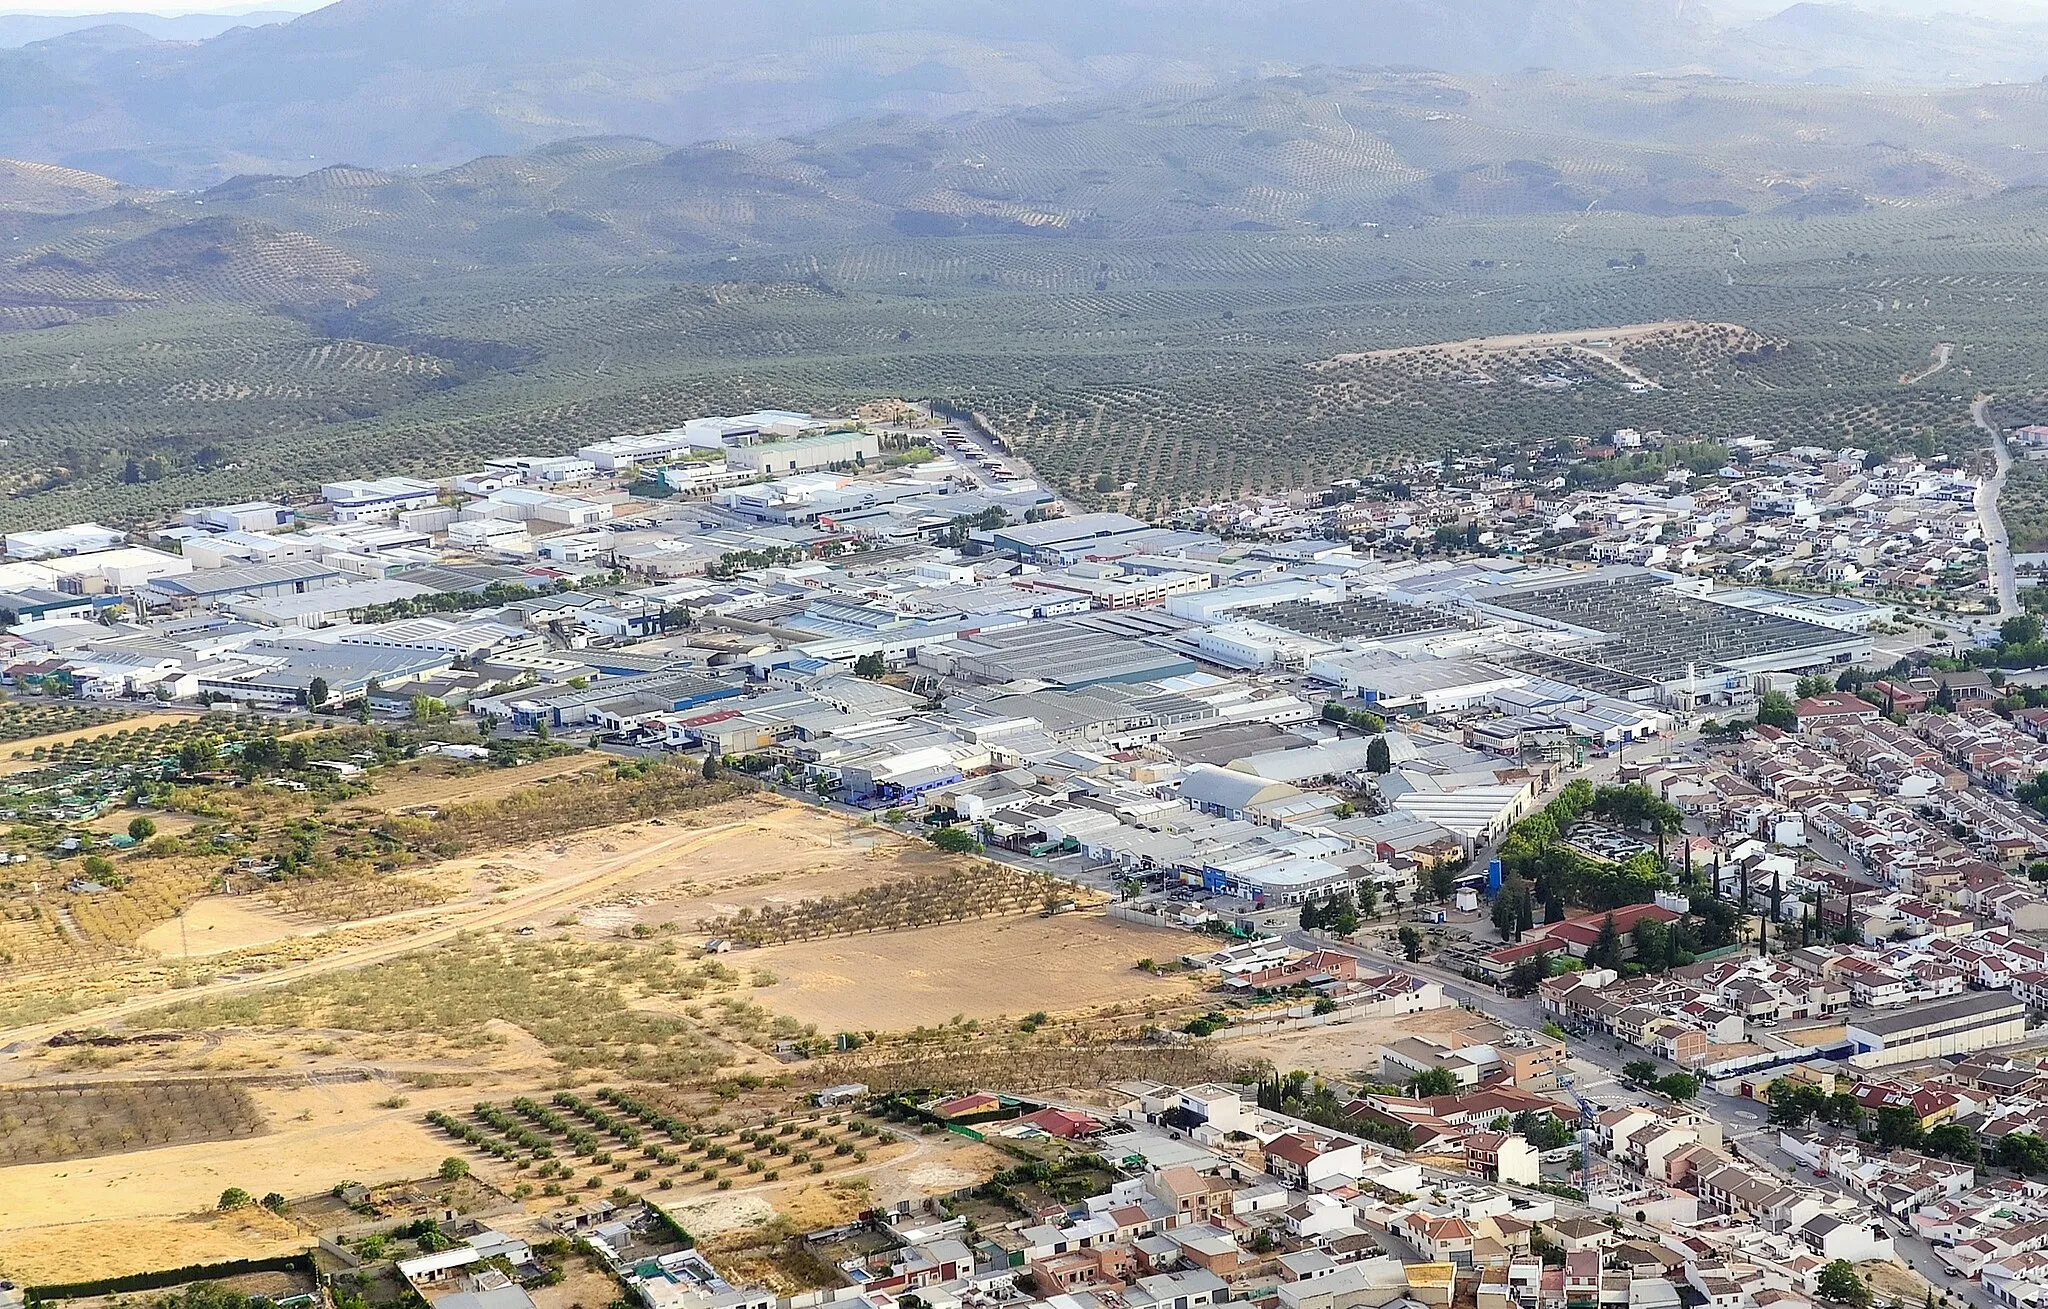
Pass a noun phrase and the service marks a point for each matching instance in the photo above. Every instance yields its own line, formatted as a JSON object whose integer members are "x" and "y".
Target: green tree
{"x": 199, "y": 755}
{"x": 1793, "y": 1104}
{"x": 1544, "y": 1130}
{"x": 1897, "y": 1127}
{"x": 1841, "y": 1110}
{"x": 1311, "y": 914}
{"x": 234, "y": 1198}
{"x": 429, "y": 710}
{"x": 141, "y": 829}
{"x": 454, "y": 1169}
{"x": 98, "y": 865}
{"x": 2023, "y": 1152}
{"x": 2020, "y": 630}
{"x": 1653, "y": 943}
{"x": 871, "y": 666}
{"x": 276, "y": 1203}
{"x": 1954, "y": 1141}
{"x": 1433, "y": 1082}
{"x": 1443, "y": 881}
{"x": 1839, "y": 1282}
{"x": 1605, "y": 951}
{"x": 1411, "y": 943}
{"x": 955, "y": 841}
{"x": 1679, "y": 1086}
{"x": 1776, "y": 711}
{"x": 1341, "y": 915}
{"x": 710, "y": 767}
{"x": 1526, "y": 975}
{"x": 1379, "y": 757}
{"x": 1643, "y": 1072}
{"x": 316, "y": 692}
{"x": 1506, "y": 912}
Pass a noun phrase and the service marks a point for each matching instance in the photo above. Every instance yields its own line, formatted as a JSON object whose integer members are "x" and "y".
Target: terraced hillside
{"x": 1150, "y": 294}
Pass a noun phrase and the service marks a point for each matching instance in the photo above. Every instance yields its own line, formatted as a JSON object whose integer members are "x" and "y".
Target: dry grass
{"x": 981, "y": 970}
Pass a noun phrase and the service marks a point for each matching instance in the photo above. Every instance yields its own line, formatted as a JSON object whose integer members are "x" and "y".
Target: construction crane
{"x": 1587, "y": 1119}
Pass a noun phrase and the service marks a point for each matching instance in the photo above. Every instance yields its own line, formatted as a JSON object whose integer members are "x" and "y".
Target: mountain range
{"x": 1321, "y": 151}
{"x": 22, "y": 29}
{"x": 402, "y": 84}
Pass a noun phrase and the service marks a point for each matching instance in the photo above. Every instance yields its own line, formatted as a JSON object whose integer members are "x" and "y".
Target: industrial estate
{"x": 799, "y": 859}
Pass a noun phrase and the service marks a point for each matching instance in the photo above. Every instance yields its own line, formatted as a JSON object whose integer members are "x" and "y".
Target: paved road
{"x": 1999, "y": 556}
{"x": 1941, "y": 354}
{"x": 1597, "y": 1076}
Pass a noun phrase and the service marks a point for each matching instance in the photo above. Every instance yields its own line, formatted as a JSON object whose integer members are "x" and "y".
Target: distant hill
{"x": 402, "y": 83}
{"x": 1323, "y": 151}
{"x": 48, "y": 188}
{"x": 23, "y": 29}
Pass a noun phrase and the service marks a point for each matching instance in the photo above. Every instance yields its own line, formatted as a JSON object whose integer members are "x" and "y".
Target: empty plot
{"x": 217, "y": 925}
{"x": 983, "y": 970}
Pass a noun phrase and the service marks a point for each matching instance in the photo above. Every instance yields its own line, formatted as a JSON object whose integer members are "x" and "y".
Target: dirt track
{"x": 551, "y": 893}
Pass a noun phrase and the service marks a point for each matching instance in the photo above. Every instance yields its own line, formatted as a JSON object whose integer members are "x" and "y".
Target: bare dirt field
{"x": 1595, "y": 339}
{"x": 220, "y": 924}
{"x": 49, "y": 1212}
{"x": 786, "y": 854}
{"x": 1892, "y": 1283}
{"x": 431, "y": 781}
{"x": 583, "y": 1284}
{"x": 1002, "y": 967}
{"x": 118, "y": 820}
{"x": 88, "y": 1248}
{"x": 634, "y": 892}
{"x": 1345, "y": 1048}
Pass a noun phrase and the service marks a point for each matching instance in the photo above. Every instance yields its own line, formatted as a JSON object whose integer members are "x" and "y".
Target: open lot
{"x": 220, "y": 924}
{"x": 575, "y": 957}
{"x": 151, "y": 1208}
{"x": 433, "y": 781}
{"x": 82, "y": 1249}
{"x": 1003, "y": 967}
{"x": 1352, "y": 1047}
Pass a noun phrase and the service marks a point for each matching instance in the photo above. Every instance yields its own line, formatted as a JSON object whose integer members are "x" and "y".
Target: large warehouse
{"x": 1638, "y": 626}
{"x": 1973, "y": 1021}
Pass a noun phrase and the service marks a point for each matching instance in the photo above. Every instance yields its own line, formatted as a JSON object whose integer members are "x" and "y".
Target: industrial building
{"x": 1070, "y": 653}
{"x": 1642, "y": 630}
{"x": 805, "y": 454}
{"x": 1977, "y": 1020}
{"x": 1028, "y": 540}
{"x": 382, "y": 497}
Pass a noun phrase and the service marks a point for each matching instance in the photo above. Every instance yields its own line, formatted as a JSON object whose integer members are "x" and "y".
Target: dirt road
{"x": 1998, "y": 559}
{"x": 1941, "y": 355}
{"x": 497, "y": 911}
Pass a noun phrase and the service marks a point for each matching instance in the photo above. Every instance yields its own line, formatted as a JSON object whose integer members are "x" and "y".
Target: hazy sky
{"x": 154, "y": 6}
{"x": 1731, "y": 8}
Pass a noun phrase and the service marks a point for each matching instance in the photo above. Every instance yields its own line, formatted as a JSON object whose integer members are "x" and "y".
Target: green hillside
{"x": 1141, "y": 292}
